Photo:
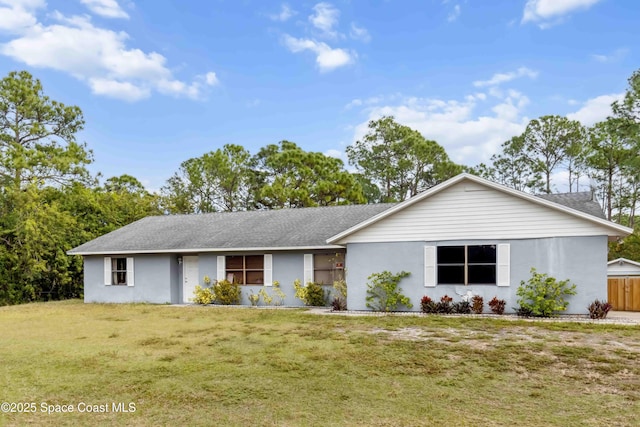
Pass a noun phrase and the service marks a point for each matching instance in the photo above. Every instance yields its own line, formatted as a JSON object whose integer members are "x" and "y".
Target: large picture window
{"x": 467, "y": 265}
{"x": 328, "y": 268}
{"x": 245, "y": 269}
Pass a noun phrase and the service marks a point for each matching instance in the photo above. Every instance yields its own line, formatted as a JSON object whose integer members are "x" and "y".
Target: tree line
{"x": 50, "y": 203}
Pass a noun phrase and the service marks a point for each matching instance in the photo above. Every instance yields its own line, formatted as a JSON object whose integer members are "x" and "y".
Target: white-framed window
{"x": 467, "y": 265}
{"x": 118, "y": 271}
{"x": 324, "y": 268}
{"x": 246, "y": 269}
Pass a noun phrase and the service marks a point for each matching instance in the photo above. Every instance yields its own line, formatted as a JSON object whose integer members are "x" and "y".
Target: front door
{"x": 189, "y": 277}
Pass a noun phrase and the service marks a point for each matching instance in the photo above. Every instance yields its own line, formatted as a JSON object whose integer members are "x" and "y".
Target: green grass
{"x": 251, "y": 367}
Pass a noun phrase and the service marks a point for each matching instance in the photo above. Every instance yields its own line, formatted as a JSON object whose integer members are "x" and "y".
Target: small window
{"x": 328, "y": 268}
{"x": 119, "y": 271}
{"x": 245, "y": 269}
{"x": 467, "y": 265}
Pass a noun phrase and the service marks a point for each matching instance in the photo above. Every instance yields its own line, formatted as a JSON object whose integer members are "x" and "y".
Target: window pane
{"x": 119, "y": 278}
{"x": 323, "y": 261}
{"x": 450, "y": 254}
{"x": 255, "y": 262}
{"x": 482, "y": 274}
{"x": 235, "y": 263}
{"x": 323, "y": 276}
{"x": 451, "y": 274}
{"x": 235, "y": 277}
{"x": 485, "y": 254}
{"x": 119, "y": 264}
{"x": 255, "y": 278}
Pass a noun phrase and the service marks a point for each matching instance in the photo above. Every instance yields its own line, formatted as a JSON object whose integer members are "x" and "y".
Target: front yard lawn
{"x": 250, "y": 367}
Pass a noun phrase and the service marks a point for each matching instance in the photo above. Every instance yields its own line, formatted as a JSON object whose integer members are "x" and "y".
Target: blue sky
{"x": 165, "y": 80}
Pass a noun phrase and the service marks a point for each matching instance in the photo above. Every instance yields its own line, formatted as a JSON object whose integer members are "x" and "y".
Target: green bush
{"x": 544, "y": 296}
{"x": 312, "y": 294}
{"x": 383, "y": 293}
{"x": 315, "y": 294}
{"x": 226, "y": 293}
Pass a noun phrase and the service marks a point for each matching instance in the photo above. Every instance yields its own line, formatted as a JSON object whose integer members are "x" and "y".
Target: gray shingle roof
{"x": 284, "y": 228}
{"x": 582, "y": 202}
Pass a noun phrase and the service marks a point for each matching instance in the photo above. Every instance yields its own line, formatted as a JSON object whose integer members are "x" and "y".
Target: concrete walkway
{"x": 630, "y": 315}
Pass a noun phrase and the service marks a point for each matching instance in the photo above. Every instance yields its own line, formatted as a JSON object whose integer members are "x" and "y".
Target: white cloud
{"x": 334, "y": 153}
{"x": 354, "y": 103}
{"x": 467, "y": 137}
{"x": 285, "y": 13}
{"x": 359, "y": 33}
{"x": 101, "y": 58}
{"x": 327, "y": 58}
{"x": 17, "y": 16}
{"x": 211, "y": 79}
{"x": 360, "y": 102}
{"x": 547, "y": 13}
{"x": 499, "y": 78}
{"x": 119, "y": 90}
{"x": 614, "y": 56}
{"x": 454, "y": 14}
{"x": 595, "y": 109}
{"x": 105, "y": 8}
{"x": 324, "y": 18}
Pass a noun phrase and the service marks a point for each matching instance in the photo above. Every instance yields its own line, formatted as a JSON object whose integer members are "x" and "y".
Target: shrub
{"x": 444, "y": 306}
{"x": 340, "y": 286}
{"x": 599, "y": 310}
{"x": 338, "y": 304}
{"x": 497, "y": 305}
{"x": 312, "y": 294}
{"x": 226, "y": 293}
{"x": 461, "y": 307}
{"x": 427, "y": 305}
{"x": 265, "y": 296}
{"x": 477, "y": 304}
{"x": 279, "y": 294}
{"x": 254, "y": 299}
{"x": 544, "y": 296}
{"x": 202, "y": 295}
{"x": 383, "y": 293}
{"x": 315, "y": 295}
{"x": 524, "y": 312}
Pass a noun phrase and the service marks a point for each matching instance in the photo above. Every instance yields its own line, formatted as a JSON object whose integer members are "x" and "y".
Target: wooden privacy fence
{"x": 623, "y": 293}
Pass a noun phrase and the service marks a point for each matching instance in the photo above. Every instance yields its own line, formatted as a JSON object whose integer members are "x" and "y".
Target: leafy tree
{"x": 515, "y": 168}
{"x": 549, "y": 140}
{"x": 629, "y": 107}
{"x": 400, "y": 160}
{"x": 288, "y": 177}
{"x": 37, "y": 135}
{"x": 38, "y": 154}
{"x": 608, "y": 151}
{"x": 217, "y": 181}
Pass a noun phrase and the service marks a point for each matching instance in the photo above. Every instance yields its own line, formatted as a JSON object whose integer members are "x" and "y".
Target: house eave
{"x": 620, "y": 230}
{"x": 203, "y": 250}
